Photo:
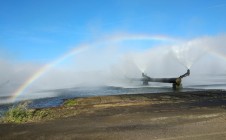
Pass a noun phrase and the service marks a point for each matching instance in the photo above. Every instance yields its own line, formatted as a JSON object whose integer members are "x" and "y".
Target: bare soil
{"x": 197, "y": 115}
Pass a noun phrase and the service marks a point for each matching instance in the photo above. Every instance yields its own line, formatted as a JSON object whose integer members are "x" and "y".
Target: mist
{"x": 109, "y": 64}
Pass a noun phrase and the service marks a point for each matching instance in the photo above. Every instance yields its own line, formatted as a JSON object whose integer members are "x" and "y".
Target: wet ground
{"x": 193, "y": 115}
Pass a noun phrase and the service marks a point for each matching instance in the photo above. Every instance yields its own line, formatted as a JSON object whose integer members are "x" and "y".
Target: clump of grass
{"x": 21, "y": 114}
{"x": 18, "y": 113}
{"x": 40, "y": 114}
{"x": 70, "y": 102}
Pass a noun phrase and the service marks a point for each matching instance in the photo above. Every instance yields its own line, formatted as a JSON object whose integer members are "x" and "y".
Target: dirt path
{"x": 196, "y": 116}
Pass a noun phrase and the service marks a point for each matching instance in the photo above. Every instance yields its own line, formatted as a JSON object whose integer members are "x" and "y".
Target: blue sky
{"x": 42, "y": 30}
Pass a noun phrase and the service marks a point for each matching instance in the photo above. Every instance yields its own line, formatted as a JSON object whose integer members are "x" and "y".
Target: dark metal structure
{"x": 176, "y": 82}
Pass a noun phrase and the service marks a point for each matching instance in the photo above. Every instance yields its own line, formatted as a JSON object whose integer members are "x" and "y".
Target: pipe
{"x": 175, "y": 81}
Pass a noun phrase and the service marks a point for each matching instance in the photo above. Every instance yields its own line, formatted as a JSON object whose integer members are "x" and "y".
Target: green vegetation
{"x": 21, "y": 114}
{"x": 71, "y": 102}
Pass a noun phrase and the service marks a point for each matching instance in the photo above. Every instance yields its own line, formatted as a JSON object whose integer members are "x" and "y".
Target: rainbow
{"x": 215, "y": 52}
{"x": 79, "y": 49}
{"x": 44, "y": 69}
{"x": 212, "y": 45}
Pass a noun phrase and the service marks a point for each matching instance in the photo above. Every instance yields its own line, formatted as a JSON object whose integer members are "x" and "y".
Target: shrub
{"x": 70, "y": 102}
{"x": 20, "y": 114}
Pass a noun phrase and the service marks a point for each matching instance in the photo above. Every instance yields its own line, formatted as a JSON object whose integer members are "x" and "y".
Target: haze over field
{"x": 62, "y": 44}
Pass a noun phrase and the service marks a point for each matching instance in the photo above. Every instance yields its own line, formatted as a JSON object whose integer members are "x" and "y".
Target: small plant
{"x": 70, "y": 102}
{"x": 40, "y": 114}
{"x": 18, "y": 113}
{"x": 21, "y": 114}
